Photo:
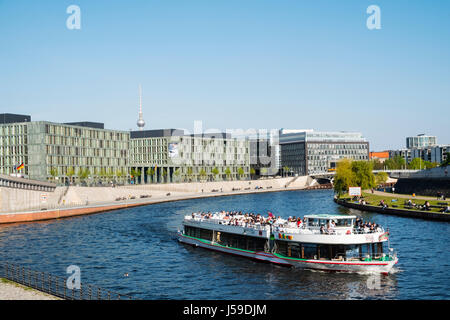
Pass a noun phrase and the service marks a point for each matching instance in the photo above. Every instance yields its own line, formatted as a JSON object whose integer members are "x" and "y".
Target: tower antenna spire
{"x": 140, "y": 122}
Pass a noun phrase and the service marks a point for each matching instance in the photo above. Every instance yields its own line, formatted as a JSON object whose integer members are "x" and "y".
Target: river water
{"x": 142, "y": 243}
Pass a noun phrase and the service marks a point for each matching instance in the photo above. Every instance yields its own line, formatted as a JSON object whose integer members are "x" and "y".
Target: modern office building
{"x": 169, "y": 155}
{"x": 420, "y": 141}
{"x": 310, "y": 152}
{"x": 55, "y": 151}
{"x": 264, "y": 150}
{"x": 437, "y": 154}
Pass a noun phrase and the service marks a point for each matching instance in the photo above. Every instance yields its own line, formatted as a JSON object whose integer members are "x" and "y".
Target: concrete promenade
{"x": 13, "y": 291}
{"x": 89, "y": 200}
{"x": 402, "y": 196}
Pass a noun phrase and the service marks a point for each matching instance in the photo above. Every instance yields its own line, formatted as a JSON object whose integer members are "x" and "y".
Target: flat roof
{"x": 329, "y": 216}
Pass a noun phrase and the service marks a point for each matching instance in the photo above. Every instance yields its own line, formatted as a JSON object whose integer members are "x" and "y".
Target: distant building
{"x": 420, "y": 141}
{"x": 264, "y": 151}
{"x": 437, "y": 154}
{"x": 168, "y": 155}
{"x": 380, "y": 156}
{"x": 46, "y": 147}
{"x": 310, "y": 152}
{"x": 13, "y": 118}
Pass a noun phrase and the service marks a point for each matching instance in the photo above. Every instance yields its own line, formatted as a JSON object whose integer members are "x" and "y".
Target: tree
{"x": 102, "y": 174}
{"x": 110, "y": 174}
{"x": 164, "y": 174}
{"x": 285, "y": 171}
{"x": 119, "y": 174}
{"x": 363, "y": 175}
{"x": 381, "y": 177}
{"x": 135, "y": 173}
{"x": 70, "y": 172}
{"x": 189, "y": 173}
{"x": 215, "y": 171}
{"x": 228, "y": 173}
{"x": 252, "y": 172}
{"x": 377, "y": 164}
{"x": 202, "y": 174}
{"x": 395, "y": 163}
{"x": 447, "y": 160}
{"x": 83, "y": 174}
{"x": 241, "y": 172}
{"x": 151, "y": 172}
{"x": 344, "y": 177}
{"x": 177, "y": 173}
{"x": 430, "y": 165}
{"x": 54, "y": 173}
{"x": 416, "y": 164}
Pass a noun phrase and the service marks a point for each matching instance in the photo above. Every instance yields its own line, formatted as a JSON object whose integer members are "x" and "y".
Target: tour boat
{"x": 321, "y": 242}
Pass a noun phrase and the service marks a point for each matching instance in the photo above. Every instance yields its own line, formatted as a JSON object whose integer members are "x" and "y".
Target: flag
{"x": 383, "y": 236}
{"x": 20, "y": 167}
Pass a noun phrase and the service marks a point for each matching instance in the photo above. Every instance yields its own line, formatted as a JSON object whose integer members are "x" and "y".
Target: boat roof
{"x": 328, "y": 216}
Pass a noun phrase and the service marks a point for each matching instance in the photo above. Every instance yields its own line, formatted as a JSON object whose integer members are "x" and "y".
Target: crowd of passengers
{"x": 239, "y": 218}
{"x": 366, "y": 226}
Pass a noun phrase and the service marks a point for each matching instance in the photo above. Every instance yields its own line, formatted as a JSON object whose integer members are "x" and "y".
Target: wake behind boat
{"x": 322, "y": 242}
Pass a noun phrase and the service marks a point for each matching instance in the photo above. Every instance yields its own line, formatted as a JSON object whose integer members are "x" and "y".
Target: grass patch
{"x": 396, "y": 202}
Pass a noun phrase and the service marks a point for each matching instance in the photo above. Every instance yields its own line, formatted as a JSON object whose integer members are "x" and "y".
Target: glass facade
{"x": 49, "y": 150}
{"x": 420, "y": 141}
{"x": 307, "y": 153}
{"x": 187, "y": 158}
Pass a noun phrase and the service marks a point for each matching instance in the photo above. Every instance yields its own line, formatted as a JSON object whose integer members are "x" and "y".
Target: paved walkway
{"x": 13, "y": 291}
{"x": 403, "y": 196}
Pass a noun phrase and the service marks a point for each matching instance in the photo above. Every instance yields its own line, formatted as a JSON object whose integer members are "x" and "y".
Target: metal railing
{"x": 56, "y": 286}
{"x": 254, "y": 226}
{"x": 316, "y": 230}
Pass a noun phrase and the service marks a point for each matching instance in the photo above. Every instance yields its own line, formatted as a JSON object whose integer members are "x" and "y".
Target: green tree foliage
{"x": 447, "y": 161}
{"x": 363, "y": 174}
{"x": 54, "y": 172}
{"x": 83, "y": 173}
{"x": 215, "y": 172}
{"x": 228, "y": 172}
{"x": 240, "y": 172}
{"x": 202, "y": 174}
{"x": 395, "y": 163}
{"x": 377, "y": 164}
{"x": 70, "y": 172}
{"x": 252, "y": 172}
{"x": 353, "y": 174}
{"x": 381, "y": 177}
{"x": 344, "y": 177}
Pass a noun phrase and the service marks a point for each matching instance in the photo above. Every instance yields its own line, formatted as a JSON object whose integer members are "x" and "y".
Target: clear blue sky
{"x": 232, "y": 64}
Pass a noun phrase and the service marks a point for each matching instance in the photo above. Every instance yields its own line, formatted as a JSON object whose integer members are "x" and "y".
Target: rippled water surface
{"x": 141, "y": 242}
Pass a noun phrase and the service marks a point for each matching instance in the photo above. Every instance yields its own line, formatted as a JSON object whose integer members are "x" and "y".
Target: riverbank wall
{"x": 398, "y": 212}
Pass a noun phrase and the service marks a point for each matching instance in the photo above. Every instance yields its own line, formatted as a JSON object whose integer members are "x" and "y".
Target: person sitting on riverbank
{"x": 383, "y": 204}
{"x": 445, "y": 210}
{"x": 426, "y": 206}
{"x": 412, "y": 204}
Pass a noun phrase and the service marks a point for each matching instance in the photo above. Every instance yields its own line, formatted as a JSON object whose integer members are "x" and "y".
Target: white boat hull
{"x": 324, "y": 265}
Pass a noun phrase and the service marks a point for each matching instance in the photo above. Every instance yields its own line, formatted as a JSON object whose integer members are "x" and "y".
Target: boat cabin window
{"x": 344, "y": 222}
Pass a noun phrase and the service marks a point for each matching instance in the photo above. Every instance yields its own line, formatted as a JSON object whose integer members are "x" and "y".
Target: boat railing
{"x": 337, "y": 231}
{"x": 387, "y": 256}
{"x": 227, "y": 222}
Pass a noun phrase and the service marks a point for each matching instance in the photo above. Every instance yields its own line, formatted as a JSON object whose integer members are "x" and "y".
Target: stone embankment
{"x": 394, "y": 211}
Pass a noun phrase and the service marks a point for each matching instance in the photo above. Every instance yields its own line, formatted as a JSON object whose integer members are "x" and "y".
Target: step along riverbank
{"x": 394, "y": 211}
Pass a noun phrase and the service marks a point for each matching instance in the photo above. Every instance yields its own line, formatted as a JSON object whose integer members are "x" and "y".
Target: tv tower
{"x": 140, "y": 123}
